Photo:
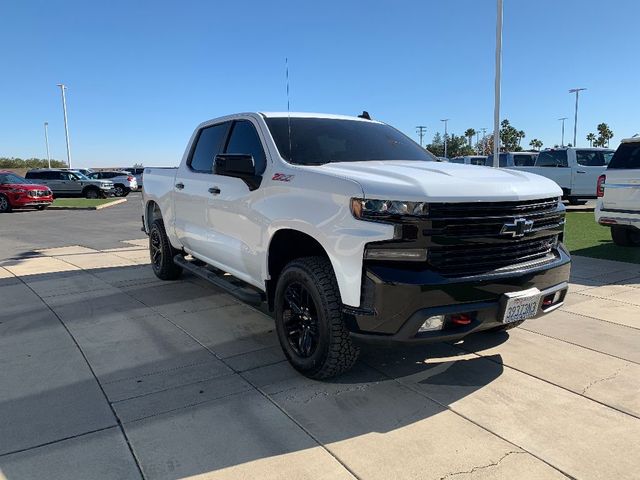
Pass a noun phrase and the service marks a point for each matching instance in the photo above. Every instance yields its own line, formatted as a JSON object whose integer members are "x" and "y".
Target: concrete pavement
{"x": 111, "y": 373}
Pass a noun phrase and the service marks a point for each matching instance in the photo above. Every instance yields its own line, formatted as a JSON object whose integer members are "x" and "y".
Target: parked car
{"x": 136, "y": 172}
{"x": 576, "y": 170}
{"x": 67, "y": 183}
{"x": 123, "y": 182}
{"x": 618, "y": 204}
{"x": 354, "y": 233}
{"x": 514, "y": 159}
{"x": 470, "y": 160}
{"x": 16, "y": 192}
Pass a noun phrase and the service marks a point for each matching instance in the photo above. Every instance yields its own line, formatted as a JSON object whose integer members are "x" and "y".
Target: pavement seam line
{"x": 601, "y": 319}
{"x": 463, "y": 416}
{"x": 58, "y": 440}
{"x": 578, "y": 345}
{"x": 557, "y": 385}
{"x": 126, "y": 438}
{"x": 482, "y": 467}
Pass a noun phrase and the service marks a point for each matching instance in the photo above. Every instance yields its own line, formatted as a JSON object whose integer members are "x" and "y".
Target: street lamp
{"x": 46, "y": 141}
{"x": 445, "y": 120}
{"x": 575, "y": 120}
{"x": 562, "y": 120}
{"x": 496, "y": 107}
{"x": 66, "y": 126}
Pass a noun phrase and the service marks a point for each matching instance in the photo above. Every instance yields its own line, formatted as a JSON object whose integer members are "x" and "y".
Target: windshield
{"x": 80, "y": 175}
{"x": 626, "y": 157}
{"x": 315, "y": 141}
{"x": 11, "y": 178}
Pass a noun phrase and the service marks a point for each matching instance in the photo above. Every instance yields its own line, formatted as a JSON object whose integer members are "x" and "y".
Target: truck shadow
{"x": 195, "y": 377}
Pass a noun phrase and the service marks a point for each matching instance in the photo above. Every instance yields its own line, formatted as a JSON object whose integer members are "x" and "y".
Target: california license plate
{"x": 521, "y": 305}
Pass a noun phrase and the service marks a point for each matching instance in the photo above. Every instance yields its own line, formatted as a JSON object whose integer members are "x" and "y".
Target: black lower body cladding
{"x": 397, "y": 300}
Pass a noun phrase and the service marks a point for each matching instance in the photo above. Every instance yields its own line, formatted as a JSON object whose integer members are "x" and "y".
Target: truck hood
{"x": 436, "y": 181}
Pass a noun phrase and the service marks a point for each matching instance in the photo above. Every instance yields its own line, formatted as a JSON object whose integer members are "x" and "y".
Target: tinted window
{"x": 478, "y": 161}
{"x": 245, "y": 139}
{"x": 627, "y": 156}
{"x": 323, "y": 140}
{"x": 208, "y": 146}
{"x": 457, "y": 160}
{"x": 502, "y": 160}
{"x": 11, "y": 178}
{"x": 591, "y": 158}
{"x": 552, "y": 158}
{"x": 524, "y": 160}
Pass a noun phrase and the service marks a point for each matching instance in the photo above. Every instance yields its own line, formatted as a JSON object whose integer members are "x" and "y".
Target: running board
{"x": 244, "y": 293}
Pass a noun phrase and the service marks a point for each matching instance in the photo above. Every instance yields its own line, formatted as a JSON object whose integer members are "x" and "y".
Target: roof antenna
{"x": 286, "y": 64}
{"x": 365, "y": 115}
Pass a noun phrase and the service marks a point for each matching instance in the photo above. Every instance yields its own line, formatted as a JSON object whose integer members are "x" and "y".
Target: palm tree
{"x": 521, "y": 135}
{"x": 536, "y": 144}
{"x": 469, "y": 133}
{"x": 592, "y": 138}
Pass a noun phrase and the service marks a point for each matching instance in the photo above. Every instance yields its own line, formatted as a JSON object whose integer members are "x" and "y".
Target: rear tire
{"x": 121, "y": 191}
{"x": 161, "y": 253}
{"x": 576, "y": 201}
{"x": 5, "y": 206}
{"x": 625, "y": 236}
{"x": 309, "y": 319}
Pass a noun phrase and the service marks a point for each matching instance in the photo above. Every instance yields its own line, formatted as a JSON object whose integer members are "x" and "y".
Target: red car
{"x": 16, "y": 192}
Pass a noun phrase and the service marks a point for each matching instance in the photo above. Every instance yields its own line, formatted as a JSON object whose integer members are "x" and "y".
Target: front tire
{"x": 309, "y": 319}
{"x": 161, "y": 253}
{"x": 91, "y": 193}
{"x": 625, "y": 236}
{"x": 5, "y": 206}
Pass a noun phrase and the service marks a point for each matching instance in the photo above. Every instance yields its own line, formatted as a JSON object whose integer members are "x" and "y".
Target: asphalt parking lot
{"x": 110, "y": 373}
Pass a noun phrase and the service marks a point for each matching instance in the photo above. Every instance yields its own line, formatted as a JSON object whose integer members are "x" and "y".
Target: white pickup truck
{"x": 351, "y": 232}
{"x": 575, "y": 170}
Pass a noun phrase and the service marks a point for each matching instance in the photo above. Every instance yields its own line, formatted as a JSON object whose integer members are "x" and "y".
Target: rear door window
{"x": 626, "y": 157}
{"x": 590, "y": 158}
{"x": 244, "y": 139}
{"x": 524, "y": 160}
{"x": 208, "y": 145}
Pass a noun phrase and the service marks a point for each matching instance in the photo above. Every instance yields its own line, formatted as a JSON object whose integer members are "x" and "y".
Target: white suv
{"x": 619, "y": 194}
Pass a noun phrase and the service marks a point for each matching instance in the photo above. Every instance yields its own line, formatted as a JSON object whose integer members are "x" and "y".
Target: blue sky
{"x": 141, "y": 74}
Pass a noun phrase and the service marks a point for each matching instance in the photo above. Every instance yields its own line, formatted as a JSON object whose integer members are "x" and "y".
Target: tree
{"x": 510, "y": 137}
{"x": 436, "y": 146}
{"x": 536, "y": 144}
{"x": 604, "y": 135}
{"x": 29, "y": 163}
{"x": 591, "y": 138}
{"x": 469, "y": 133}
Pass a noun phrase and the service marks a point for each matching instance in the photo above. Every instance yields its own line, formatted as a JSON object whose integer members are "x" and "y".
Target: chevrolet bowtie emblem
{"x": 518, "y": 228}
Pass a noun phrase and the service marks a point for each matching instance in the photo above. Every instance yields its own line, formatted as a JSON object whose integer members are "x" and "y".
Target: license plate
{"x": 521, "y": 305}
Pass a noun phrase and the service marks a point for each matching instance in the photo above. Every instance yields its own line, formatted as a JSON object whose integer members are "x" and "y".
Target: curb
{"x": 97, "y": 207}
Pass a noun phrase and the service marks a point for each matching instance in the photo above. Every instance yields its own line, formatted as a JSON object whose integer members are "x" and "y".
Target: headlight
{"x": 371, "y": 209}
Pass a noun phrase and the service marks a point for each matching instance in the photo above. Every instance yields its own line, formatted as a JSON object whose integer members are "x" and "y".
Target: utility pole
{"x": 66, "y": 126}
{"x": 445, "y": 120}
{"x": 477, "y": 139}
{"x": 496, "y": 107}
{"x": 484, "y": 139}
{"x": 575, "y": 119}
{"x": 421, "y": 129}
{"x": 46, "y": 141}
{"x": 562, "y": 120}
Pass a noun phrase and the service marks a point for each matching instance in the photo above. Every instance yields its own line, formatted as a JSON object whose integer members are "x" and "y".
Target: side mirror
{"x": 238, "y": 165}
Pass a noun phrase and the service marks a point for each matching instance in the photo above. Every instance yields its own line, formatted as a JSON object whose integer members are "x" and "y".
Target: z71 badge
{"x": 281, "y": 177}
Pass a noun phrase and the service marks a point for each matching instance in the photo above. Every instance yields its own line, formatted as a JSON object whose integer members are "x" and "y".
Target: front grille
{"x": 468, "y": 239}
{"x": 465, "y": 260}
{"x": 38, "y": 193}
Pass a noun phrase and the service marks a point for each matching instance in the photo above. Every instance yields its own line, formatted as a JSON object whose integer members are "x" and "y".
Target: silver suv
{"x": 123, "y": 182}
{"x": 66, "y": 183}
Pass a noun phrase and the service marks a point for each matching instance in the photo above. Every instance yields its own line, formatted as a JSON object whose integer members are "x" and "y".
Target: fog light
{"x": 396, "y": 254}
{"x": 432, "y": 323}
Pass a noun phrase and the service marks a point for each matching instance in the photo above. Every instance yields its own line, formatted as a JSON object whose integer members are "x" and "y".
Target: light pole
{"x": 562, "y": 120}
{"x": 421, "y": 129}
{"x": 46, "y": 141}
{"x": 496, "y": 107}
{"x": 484, "y": 140}
{"x": 66, "y": 126}
{"x": 445, "y": 120}
{"x": 575, "y": 119}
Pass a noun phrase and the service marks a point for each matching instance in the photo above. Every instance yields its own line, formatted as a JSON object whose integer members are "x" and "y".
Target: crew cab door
{"x": 622, "y": 185}
{"x": 235, "y": 227}
{"x": 554, "y": 165}
{"x": 588, "y": 166}
{"x": 191, "y": 196}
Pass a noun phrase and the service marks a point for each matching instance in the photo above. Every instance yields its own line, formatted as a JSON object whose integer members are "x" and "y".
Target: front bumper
{"x": 397, "y": 301}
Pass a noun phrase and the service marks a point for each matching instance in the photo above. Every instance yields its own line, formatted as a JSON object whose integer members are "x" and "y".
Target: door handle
{"x": 180, "y": 185}
{"x": 214, "y": 191}
{"x": 580, "y": 171}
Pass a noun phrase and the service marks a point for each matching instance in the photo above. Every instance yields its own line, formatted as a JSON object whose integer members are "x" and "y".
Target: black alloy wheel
{"x": 5, "y": 206}
{"x": 161, "y": 253}
{"x": 300, "y": 320}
